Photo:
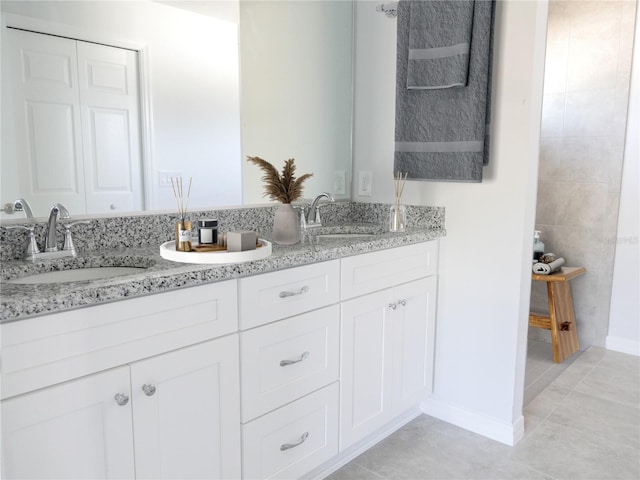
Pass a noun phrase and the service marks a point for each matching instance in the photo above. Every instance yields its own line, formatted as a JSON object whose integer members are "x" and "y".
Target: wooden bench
{"x": 562, "y": 319}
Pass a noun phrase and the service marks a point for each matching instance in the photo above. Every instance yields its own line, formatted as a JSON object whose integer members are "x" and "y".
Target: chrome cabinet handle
{"x": 122, "y": 399}
{"x": 393, "y": 306}
{"x": 284, "y": 363}
{"x": 402, "y": 302}
{"x": 286, "y": 294}
{"x": 148, "y": 390}
{"x": 287, "y": 446}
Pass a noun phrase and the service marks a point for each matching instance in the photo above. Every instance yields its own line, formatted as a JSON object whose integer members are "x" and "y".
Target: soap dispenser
{"x": 538, "y": 246}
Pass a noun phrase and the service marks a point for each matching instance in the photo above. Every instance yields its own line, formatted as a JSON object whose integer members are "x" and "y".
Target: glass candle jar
{"x": 208, "y": 231}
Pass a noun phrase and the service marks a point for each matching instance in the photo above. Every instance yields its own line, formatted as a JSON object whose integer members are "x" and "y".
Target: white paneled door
{"x": 108, "y": 81}
{"x": 185, "y": 412}
{"x": 73, "y": 110}
{"x": 387, "y": 349}
{"x": 75, "y": 430}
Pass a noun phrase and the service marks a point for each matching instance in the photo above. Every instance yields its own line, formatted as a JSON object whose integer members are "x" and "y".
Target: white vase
{"x": 286, "y": 225}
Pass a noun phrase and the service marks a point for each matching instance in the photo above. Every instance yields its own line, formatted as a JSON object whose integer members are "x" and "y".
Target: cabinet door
{"x": 186, "y": 412}
{"x": 366, "y": 366}
{"x": 413, "y": 343}
{"x": 76, "y": 430}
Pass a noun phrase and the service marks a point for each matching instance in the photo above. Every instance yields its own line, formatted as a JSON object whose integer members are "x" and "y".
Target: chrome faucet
{"x": 21, "y": 205}
{"x": 313, "y": 215}
{"x": 51, "y": 243}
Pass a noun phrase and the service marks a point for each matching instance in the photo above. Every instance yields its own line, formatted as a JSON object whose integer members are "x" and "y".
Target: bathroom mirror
{"x": 285, "y": 92}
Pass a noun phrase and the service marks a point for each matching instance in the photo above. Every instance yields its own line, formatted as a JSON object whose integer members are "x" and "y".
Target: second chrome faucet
{"x": 313, "y": 215}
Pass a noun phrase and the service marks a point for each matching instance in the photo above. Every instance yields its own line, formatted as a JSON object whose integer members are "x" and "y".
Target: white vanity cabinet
{"x": 175, "y": 414}
{"x": 113, "y": 392}
{"x": 387, "y": 337}
{"x": 285, "y": 374}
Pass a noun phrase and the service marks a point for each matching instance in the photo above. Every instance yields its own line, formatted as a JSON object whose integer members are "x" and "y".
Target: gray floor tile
{"x": 532, "y": 391}
{"x": 609, "y": 420}
{"x": 510, "y": 470}
{"x": 565, "y": 453}
{"x": 592, "y": 356}
{"x": 545, "y": 403}
{"x": 573, "y": 375}
{"x": 582, "y": 426}
{"x": 353, "y": 471}
{"x": 613, "y": 384}
{"x": 621, "y": 362}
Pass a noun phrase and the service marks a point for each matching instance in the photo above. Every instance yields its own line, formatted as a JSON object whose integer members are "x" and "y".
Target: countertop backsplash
{"x": 116, "y": 233}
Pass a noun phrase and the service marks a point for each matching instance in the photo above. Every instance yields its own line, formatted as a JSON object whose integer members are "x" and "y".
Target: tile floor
{"x": 540, "y": 370}
{"x": 584, "y": 425}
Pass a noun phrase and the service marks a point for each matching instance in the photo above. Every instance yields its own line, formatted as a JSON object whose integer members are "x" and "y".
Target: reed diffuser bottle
{"x": 398, "y": 212}
{"x": 183, "y": 226}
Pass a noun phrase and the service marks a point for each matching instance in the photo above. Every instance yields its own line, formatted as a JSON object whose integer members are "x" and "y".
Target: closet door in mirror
{"x": 108, "y": 79}
{"x": 42, "y": 147}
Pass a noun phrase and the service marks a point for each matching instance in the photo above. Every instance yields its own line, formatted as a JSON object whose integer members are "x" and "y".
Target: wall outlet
{"x": 340, "y": 182}
{"x": 365, "y": 181}
{"x": 165, "y": 176}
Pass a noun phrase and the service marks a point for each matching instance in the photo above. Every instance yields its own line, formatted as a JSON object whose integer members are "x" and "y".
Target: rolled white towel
{"x": 547, "y": 268}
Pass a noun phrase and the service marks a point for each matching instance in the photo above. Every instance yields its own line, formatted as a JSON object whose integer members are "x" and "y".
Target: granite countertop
{"x": 21, "y": 301}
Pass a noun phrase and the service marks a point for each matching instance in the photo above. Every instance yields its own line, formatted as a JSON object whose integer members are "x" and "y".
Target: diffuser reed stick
{"x": 398, "y": 185}
{"x": 178, "y": 193}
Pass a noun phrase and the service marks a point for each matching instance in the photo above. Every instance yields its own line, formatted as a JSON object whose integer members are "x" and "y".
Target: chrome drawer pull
{"x": 122, "y": 399}
{"x": 287, "y": 446}
{"x": 302, "y": 290}
{"x": 284, "y": 363}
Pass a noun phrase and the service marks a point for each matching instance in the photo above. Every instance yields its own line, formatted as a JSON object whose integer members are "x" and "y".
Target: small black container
{"x": 208, "y": 231}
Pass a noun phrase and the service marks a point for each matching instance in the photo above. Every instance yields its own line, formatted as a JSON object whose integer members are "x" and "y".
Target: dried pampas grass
{"x": 284, "y": 187}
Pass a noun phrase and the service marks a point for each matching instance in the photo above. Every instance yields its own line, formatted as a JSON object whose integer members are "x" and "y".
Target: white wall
{"x": 191, "y": 66}
{"x": 484, "y": 283}
{"x": 624, "y": 317}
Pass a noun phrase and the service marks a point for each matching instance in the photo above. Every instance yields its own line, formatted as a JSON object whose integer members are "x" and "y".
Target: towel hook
{"x": 389, "y": 9}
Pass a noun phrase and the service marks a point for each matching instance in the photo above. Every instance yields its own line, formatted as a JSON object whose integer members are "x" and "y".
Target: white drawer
{"x": 370, "y": 272}
{"x": 43, "y": 351}
{"x": 294, "y": 439}
{"x": 272, "y": 296}
{"x": 285, "y": 360}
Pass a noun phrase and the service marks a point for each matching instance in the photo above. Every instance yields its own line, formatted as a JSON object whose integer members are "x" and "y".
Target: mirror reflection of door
{"x": 76, "y": 124}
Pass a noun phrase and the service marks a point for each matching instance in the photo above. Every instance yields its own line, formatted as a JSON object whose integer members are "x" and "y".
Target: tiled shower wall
{"x": 586, "y": 89}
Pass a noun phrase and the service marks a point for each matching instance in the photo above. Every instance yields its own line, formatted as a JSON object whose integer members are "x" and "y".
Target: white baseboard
{"x": 624, "y": 345}
{"x": 506, "y": 433}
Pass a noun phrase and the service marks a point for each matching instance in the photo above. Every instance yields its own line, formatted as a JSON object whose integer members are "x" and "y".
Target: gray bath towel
{"x": 439, "y": 47}
{"x": 441, "y": 134}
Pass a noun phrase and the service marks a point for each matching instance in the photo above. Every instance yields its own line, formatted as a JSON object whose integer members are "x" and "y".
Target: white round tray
{"x": 168, "y": 251}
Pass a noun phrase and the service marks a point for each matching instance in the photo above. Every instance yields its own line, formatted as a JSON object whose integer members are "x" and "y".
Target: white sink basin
{"x": 77, "y": 275}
